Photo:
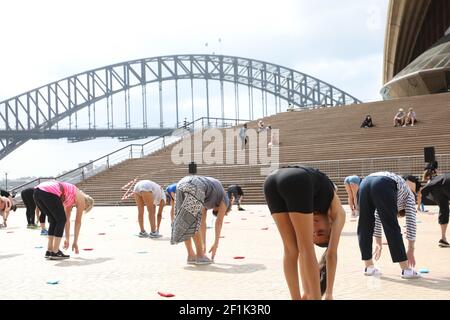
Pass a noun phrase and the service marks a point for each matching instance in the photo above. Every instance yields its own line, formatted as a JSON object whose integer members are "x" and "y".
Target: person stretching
{"x": 307, "y": 211}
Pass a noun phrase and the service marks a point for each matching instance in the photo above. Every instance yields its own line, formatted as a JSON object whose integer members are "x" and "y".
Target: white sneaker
{"x": 372, "y": 271}
{"x": 154, "y": 234}
{"x": 411, "y": 274}
{"x": 203, "y": 260}
{"x": 191, "y": 260}
{"x": 143, "y": 234}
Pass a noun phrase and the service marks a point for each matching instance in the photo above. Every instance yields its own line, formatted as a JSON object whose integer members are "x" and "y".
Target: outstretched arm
{"x": 218, "y": 228}
{"x": 337, "y": 215}
{"x": 162, "y": 203}
{"x": 80, "y": 205}
{"x": 68, "y": 211}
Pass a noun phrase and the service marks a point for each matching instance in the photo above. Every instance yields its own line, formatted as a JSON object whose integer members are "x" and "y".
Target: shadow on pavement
{"x": 442, "y": 284}
{"x": 228, "y": 268}
{"x": 9, "y": 256}
{"x": 80, "y": 262}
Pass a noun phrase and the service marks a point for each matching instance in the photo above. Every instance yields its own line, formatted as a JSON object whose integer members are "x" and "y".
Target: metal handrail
{"x": 81, "y": 169}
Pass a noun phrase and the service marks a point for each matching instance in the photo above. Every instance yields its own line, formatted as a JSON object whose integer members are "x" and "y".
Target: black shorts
{"x": 298, "y": 189}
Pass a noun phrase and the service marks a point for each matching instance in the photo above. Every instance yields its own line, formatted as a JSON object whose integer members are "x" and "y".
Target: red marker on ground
{"x": 238, "y": 258}
{"x": 88, "y": 249}
{"x": 166, "y": 295}
{"x": 265, "y": 228}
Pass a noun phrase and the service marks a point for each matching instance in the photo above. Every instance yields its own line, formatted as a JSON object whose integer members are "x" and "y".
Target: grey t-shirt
{"x": 214, "y": 193}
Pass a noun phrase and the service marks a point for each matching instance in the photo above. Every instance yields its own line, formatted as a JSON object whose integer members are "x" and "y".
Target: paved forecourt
{"x": 122, "y": 266}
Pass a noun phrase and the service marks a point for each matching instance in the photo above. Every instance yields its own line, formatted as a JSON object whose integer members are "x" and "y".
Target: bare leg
{"x": 56, "y": 244}
{"x": 404, "y": 265}
{"x": 350, "y": 198}
{"x": 354, "y": 188}
{"x": 159, "y": 216}
{"x": 140, "y": 206}
{"x": 199, "y": 248}
{"x": 306, "y": 288}
{"x": 50, "y": 244}
{"x": 148, "y": 200}
{"x": 190, "y": 250}
{"x": 203, "y": 229}
{"x": 172, "y": 210}
{"x": 291, "y": 256}
{"x": 303, "y": 226}
{"x": 444, "y": 231}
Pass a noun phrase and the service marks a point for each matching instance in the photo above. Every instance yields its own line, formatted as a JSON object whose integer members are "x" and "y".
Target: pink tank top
{"x": 52, "y": 186}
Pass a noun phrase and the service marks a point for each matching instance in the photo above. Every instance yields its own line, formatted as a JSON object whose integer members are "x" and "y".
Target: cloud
{"x": 360, "y": 77}
{"x": 340, "y": 42}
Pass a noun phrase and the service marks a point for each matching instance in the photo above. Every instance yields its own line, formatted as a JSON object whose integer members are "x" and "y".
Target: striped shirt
{"x": 405, "y": 201}
{"x": 53, "y": 186}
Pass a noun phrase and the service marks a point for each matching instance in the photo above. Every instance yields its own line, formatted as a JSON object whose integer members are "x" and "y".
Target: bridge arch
{"x": 35, "y": 112}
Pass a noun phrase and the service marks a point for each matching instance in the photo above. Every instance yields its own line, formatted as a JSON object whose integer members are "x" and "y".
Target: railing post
{"x": 107, "y": 161}
{"x": 82, "y": 174}
{"x": 131, "y": 152}
{"x": 142, "y": 151}
{"x": 164, "y": 141}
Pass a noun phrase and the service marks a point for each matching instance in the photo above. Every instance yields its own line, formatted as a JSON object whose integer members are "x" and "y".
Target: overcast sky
{"x": 340, "y": 42}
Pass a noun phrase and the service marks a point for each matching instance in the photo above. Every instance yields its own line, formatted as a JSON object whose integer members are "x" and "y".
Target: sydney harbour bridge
{"x": 154, "y": 96}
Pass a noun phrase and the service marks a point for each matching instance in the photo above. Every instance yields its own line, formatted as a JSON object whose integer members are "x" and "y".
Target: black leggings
{"x": 52, "y": 206}
{"x": 28, "y": 201}
{"x": 379, "y": 193}
{"x": 442, "y": 196}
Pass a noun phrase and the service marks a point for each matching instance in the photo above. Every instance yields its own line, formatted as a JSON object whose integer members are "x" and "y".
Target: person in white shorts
{"x": 150, "y": 194}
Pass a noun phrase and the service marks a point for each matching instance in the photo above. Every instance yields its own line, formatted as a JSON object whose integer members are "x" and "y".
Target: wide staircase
{"x": 327, "y": 138}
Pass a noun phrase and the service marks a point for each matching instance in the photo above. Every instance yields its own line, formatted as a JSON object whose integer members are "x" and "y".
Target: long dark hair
{"x": 323, "y": 273}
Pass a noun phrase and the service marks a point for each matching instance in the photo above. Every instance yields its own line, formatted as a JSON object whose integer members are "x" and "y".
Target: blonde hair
{"x": 88, "y": 202}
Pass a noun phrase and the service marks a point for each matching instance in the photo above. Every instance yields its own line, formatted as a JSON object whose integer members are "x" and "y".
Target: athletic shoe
{"x": 241, "y": 209}
{"x": 48, "y": 254}
{"x": 444, "y": 244}
{"x": 59, "y": 256}
{"x": 191, "y": 260}
{"x": 203, "y": 260}
{"x": 411, "y": 274}
{"x": 32, "y": 226}
{"x": 154, "y": 234}
{"x": 44, "y": 232}
{"x": 143, "y": 234}
{"x": 372, "y": 271}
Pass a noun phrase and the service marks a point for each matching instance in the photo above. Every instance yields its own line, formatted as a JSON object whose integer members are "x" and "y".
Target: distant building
{"x": 417, "y": 48}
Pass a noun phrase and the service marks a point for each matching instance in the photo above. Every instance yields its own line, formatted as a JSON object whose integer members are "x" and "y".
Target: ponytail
{"x": 323, "y": 273}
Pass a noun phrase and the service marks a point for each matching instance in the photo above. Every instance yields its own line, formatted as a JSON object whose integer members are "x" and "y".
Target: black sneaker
{"x": 241, "y": 209}
{"x": 59, "y": 256}
{"x": 444, "y": 244}
{"x": 48, "y": 254}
